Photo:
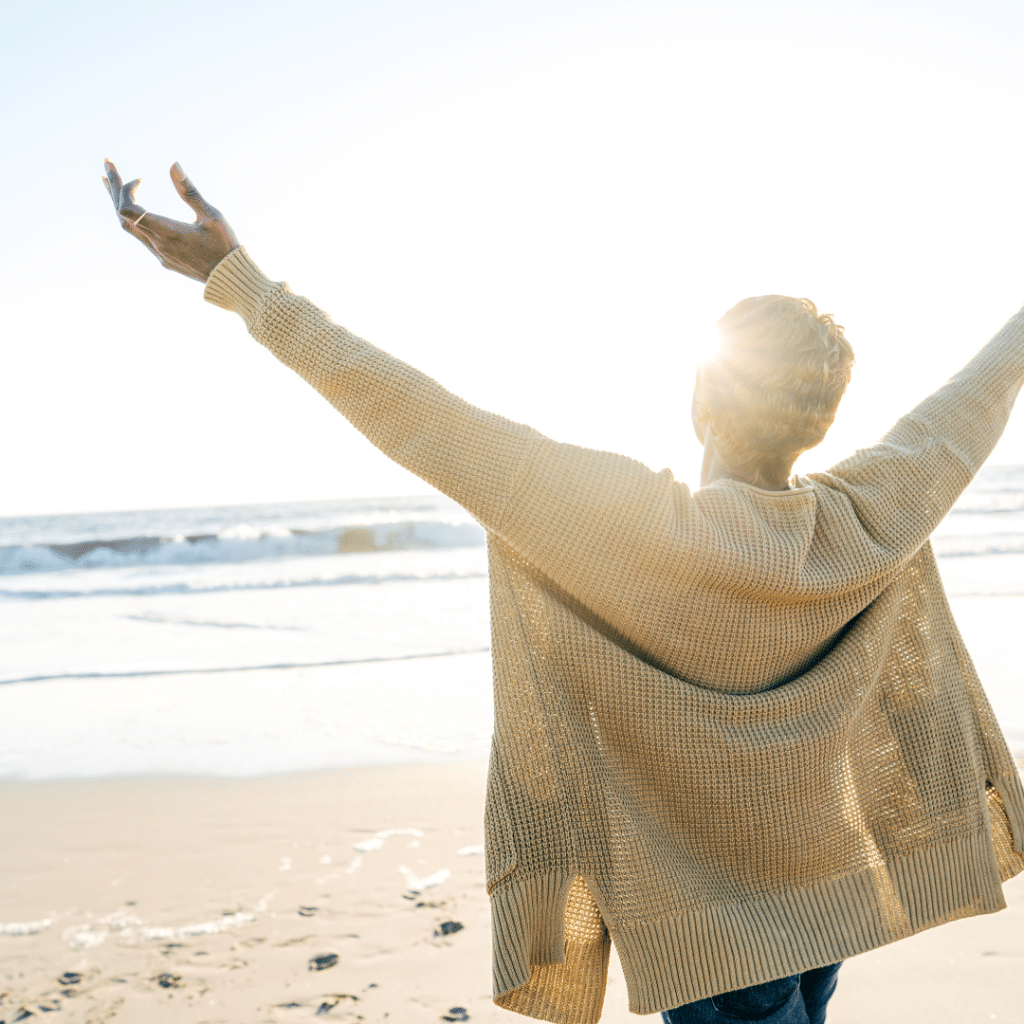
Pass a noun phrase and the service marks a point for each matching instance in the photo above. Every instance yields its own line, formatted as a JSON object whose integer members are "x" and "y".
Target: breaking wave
{"x": 265, "y": 532}
{"x": 239, "y": 545}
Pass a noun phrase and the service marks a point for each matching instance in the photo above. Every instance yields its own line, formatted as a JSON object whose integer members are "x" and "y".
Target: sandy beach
{"x": 353, "y": 894}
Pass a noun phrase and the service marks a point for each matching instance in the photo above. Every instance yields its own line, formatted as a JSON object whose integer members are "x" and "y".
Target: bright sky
{"x": 544, "y": 204}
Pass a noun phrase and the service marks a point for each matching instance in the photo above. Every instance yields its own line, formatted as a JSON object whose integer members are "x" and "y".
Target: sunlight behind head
{"x": 772, "y": 389}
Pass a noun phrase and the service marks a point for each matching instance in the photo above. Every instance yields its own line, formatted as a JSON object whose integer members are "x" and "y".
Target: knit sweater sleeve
{"x": 469, "y": 454}
{"x": 902, "y": 487}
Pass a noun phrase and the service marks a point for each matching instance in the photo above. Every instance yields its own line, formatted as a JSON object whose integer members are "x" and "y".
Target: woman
{"x": 736, "y": 730}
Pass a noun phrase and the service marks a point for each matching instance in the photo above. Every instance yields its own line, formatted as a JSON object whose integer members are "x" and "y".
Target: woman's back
{"x": 651, "y": 776}
{"x": 651, "y": 780}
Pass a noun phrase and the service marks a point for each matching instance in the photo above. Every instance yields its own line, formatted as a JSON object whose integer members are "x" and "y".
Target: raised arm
{"x": 554, "y": 503}
{"x": 471, "y": 455}
{"x": 902, "y": 487}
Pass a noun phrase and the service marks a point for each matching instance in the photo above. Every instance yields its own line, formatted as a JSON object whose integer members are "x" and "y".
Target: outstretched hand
{"x": 190, "y": 249}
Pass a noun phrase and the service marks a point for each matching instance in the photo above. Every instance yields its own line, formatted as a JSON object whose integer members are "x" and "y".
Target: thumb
{"x": 190, "y": 193}
{"x": 126, "y": 196}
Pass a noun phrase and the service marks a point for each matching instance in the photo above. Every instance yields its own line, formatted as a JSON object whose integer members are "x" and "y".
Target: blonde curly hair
{"x": 772, "y": 389}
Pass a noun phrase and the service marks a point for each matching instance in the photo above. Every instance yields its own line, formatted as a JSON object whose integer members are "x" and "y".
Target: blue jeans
{"x": 799, "y": 999}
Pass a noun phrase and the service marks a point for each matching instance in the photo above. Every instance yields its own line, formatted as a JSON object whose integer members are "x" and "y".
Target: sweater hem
{"x": 799, "y": 930}
{"x": 749, "y": 942}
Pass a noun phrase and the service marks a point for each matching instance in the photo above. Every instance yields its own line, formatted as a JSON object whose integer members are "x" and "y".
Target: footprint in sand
{"x": 448, "y": 928}
{"x": 169, "y": 980}
{"x": 330, "y": 1002}
{"x": 322, "y": 962}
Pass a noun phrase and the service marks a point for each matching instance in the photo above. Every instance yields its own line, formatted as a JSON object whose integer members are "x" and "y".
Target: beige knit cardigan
{"x": 736, "y": 731}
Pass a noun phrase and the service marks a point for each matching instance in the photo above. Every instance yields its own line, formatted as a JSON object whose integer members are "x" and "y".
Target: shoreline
{"x": 210, "y": 899}
{"x": 353, "y": 893}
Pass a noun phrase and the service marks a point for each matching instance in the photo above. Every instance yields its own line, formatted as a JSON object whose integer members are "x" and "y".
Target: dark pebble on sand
{"x": 448, "y": 928}
{"x": 69, "y": 978}
{"x": 169, "y": 980}
{"x": 456, "y": 1013}
{"x": 307, "y": 911}
{"x": 322, "y": 962}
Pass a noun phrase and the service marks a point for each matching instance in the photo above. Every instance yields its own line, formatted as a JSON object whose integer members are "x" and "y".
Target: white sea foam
{"x": 190, "y": 931}
{"x": 84, "y": 937}
{"x": 120, "y": 919}
{"x": 377, "y": 841}
{"x": 430, "y": 882}
{"x": 25, "y": 927}
{"x": 127, "y": 928}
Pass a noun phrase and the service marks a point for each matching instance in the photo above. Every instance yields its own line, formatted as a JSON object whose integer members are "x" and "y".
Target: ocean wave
{"x": 987, "y": 520}
{"x": 239, "y": 543}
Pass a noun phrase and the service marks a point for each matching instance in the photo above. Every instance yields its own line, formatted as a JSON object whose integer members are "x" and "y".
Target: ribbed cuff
{"x": 238, "y": 285}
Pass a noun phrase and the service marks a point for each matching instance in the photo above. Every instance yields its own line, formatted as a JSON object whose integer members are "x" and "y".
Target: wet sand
{"x": 231, "y": 900}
